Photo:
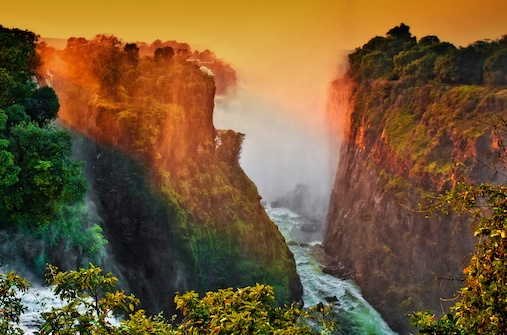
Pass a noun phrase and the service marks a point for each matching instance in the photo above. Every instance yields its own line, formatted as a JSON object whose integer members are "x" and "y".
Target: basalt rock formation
{"x": 410, "y": 135}
{"x": 177, "y": 209}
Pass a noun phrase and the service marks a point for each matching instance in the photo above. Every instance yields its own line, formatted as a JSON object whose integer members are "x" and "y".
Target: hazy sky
{"x": 285, "y": 52}
{"x": 244, "y": 31}
{"x": 294, "y": 43}
{"x": 234, "y": 26}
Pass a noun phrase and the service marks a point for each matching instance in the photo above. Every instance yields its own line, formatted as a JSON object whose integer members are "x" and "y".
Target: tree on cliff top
{"x": 401, "y": 32}
{"x": 399, "y": 55}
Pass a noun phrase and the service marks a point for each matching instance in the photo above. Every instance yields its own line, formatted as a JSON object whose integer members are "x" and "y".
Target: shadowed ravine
{"x": 355, "y": 315}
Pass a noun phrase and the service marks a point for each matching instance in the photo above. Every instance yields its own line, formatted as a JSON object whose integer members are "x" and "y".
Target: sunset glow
{"x": 285, "y": 53}
{"x": 279, "y": 47}
{"x": 297, "y": 167}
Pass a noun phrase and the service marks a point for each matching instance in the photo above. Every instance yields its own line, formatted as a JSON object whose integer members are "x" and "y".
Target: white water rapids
{"x": 42, "y": 299}
{"x": 355, "y": 315}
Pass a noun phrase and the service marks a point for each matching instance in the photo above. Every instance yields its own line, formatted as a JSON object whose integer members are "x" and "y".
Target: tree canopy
{"x": 399, "y": 55}
{"x": 39, "y": 179}
{"x": 38, "y": 173}
{"x": 90, "y": 304}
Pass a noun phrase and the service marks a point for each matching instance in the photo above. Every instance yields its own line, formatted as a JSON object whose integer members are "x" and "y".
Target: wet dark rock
{"x": 311, "y": 228}
{"x": 331, "y": 299}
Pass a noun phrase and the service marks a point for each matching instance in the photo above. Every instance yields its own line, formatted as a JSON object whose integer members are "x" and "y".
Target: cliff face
{"x": 177, "y": 209}
{"x": 144, "y": 250}
{"x": 406, "y": 140}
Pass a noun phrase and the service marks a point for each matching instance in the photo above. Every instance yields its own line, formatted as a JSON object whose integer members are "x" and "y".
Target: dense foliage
{"x": 481, "y": 306}
{"x": 249, "y": 310}
{"x": 37, "y": 172}
{"x": 89, "y": 300}
{"x": 91, "y": 305}
{"x": 429, "y": 103}
{"x": 400, "y": 55}
{"x": 11, "y": 285}
{"x": 40, "y": 184}
{"x": 157, "y": 110}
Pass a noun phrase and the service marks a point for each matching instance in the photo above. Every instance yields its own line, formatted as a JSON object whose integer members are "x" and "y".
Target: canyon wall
{"x": 405, "y": 259}
{"x": 177, "y": 209}
{"x": 410, "y": 136}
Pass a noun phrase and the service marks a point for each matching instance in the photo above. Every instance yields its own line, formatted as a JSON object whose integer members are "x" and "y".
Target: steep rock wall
{"x": 406, "y": 140}
{"x": 176, "y": 207}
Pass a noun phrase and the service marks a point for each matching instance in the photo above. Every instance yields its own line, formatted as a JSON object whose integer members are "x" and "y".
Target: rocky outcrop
{"x": 225, "y": 76}
{"x": 177, "y": 209}
{"x": 405, "y": 141}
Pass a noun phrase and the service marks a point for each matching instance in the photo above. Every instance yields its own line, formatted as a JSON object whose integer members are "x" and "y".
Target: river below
{"x": 355, "y": 315}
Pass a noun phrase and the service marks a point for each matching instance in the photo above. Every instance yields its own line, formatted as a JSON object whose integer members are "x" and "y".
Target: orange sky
{"x": 285, "y": 48}
{"x": 236, "y": 27}
{"x": 285, "y": 52}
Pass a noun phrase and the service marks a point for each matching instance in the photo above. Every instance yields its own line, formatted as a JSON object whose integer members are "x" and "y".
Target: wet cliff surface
{"x": 177, "y": 209}
{"x": 405, "y": 142}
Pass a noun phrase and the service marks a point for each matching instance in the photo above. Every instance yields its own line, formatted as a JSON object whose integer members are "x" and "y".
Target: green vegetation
{"x": 10, "y": 302}
{"x": 424, "y": 120}
{"x": 90, "y": 302}
{"x": 37, "y": 173}
{"x": 249, "y": 310}
{"x": 400, "y": 55}
{"x": 157, "y": 109}
{"x": 481, "y": 306}
{"x": 427, "y": 102}
{"x": 41, "y": 186}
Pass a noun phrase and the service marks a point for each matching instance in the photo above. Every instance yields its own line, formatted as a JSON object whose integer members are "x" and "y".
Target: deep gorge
{"x": 167, "y": 207}
{"x": 408, "y": 140}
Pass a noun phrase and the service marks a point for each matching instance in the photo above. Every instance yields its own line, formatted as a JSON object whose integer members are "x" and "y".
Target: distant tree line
{"x": 400, "y": 55}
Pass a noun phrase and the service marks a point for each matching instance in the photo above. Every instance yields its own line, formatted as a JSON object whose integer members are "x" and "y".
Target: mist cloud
{"x": 279, "y": 152}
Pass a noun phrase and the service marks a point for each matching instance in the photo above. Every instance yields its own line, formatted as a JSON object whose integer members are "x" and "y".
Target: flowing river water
{"x": 355, "y": 315}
